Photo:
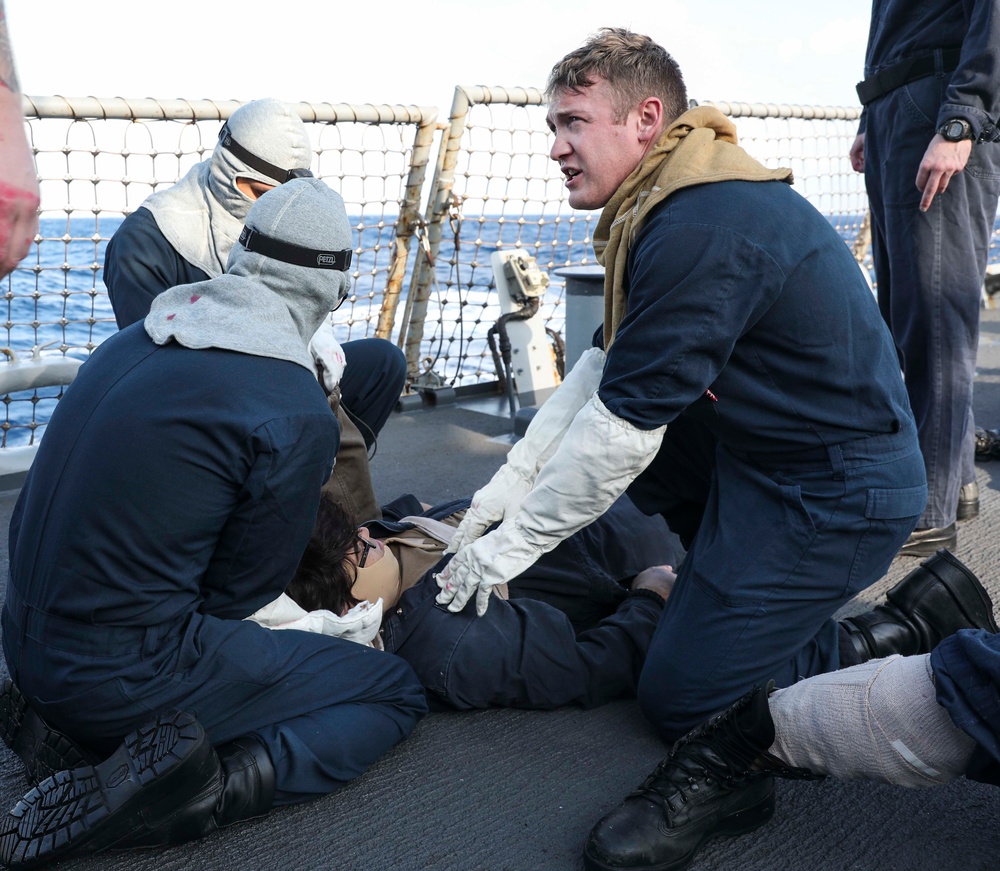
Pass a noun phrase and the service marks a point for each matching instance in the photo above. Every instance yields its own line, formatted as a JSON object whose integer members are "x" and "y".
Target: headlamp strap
{"x": 276, "y": 173}
{"x": 286, "y": 252}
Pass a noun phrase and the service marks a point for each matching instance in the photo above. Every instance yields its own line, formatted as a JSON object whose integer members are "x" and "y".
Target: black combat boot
{"x": 935, "y": 600}
{"x": 247, "y": 791}
{"x": 43, "y": 749}
{"x": 704, "y": 789}
{"x": 164, "y": 785}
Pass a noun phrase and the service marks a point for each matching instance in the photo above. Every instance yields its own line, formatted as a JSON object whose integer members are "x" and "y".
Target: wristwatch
{"x": 956, "y": 129}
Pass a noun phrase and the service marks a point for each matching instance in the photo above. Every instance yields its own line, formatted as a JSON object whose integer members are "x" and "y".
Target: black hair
{"x": 326, "y": 574}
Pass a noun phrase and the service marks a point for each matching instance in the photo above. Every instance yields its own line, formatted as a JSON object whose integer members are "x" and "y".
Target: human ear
{"x": 650, "y": 118}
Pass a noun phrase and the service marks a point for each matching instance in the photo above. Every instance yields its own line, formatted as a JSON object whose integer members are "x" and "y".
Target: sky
{"x": 417, "y": 51}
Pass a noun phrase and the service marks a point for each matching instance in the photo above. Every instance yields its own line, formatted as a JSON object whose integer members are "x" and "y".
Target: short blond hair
{"x": 634, "y": 67}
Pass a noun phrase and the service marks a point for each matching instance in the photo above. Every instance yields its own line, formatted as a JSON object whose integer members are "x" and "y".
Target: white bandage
{"x": 879, "y": 721}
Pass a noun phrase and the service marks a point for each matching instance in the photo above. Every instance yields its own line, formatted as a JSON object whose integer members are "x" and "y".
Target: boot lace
{"x": 715, "y": 752}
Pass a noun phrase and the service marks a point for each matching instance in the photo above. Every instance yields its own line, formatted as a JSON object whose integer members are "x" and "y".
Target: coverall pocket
{"x": 755, "y": 531}
{"x": 427, "y": 635}
{"x": 922, "y": 99}
{"x": 891, "y": 515}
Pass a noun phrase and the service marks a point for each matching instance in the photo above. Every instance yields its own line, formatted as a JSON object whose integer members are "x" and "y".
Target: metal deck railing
{"x": 429, "y": 200}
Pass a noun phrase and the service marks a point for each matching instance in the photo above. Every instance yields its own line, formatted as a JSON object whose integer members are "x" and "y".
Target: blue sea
{"x": 56, "y": 300}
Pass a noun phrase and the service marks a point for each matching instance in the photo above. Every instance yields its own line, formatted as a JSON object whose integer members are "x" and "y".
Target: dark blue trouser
{"x": 929, "y": 267}
{"x": 325, "y": 708}
{"x": 782, "y": 544}
{"x": 372, "y": 382}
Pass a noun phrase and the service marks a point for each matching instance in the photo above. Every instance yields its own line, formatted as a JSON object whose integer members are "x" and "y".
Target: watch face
{"x": 955, "y": 130}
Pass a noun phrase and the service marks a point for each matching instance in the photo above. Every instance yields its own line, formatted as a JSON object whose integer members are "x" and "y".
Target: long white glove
{"x": 599, "y": 457}
{"x": 502, "y": 496}
{"x": 328, "y": 356}
{"x": 361, "y": 623}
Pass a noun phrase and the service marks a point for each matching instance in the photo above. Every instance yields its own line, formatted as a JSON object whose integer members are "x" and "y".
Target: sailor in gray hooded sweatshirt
{"x": 173, "y": 495}
{"x": 184, "y": 234}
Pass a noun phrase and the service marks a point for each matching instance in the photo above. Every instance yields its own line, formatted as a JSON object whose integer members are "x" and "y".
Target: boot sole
{"x": 739, "y": 823}
{"x": 42, "y": 749}
{"x": 89, "y": 809}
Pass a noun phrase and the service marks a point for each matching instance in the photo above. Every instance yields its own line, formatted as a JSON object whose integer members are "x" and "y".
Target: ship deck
{"x": 519, "y": 790}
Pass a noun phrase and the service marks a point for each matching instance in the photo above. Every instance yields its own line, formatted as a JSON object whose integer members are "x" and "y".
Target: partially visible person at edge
{"x": 927, "y": 144}
{"x": 135, "y": 557}
{"x": 183, "y": 235}
{"x": 19, "y": 194}
{"x": 748, "y": 391}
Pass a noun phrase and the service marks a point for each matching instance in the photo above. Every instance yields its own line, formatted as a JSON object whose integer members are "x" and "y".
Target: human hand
{"x": 328, "y": 357}
{"x": 941, "y": 161}
{"x": 498, "y": 500}
{"x": 19, "y": 192}
{"x": 493, "y": 559}
{"x": 659, "y": 579}
{"x": 857, "y": 153}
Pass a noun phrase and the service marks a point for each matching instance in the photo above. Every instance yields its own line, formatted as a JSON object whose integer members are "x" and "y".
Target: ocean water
{"x": 56, "y": 300}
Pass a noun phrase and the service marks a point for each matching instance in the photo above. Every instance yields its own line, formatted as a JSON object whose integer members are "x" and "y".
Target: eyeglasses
{"x": 366, "y": 547}
{"x": 345, "y": 292}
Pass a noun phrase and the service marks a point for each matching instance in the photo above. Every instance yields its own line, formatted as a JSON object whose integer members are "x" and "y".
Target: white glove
{"x": 601, "y": 455}
{"x": 502, "y": 496}
{"x": 360, "y": 624}
{"x": 328, "y": 356}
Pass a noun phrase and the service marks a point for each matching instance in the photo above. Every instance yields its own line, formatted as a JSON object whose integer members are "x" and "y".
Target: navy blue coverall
{"x": 172, "y": 496}
{"x": 929, "y": 266}
{"x": 140, "y": 264}
{"x": 790, "y": 461}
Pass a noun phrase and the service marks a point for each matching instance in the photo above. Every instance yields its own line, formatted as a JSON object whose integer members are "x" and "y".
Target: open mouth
{"x": 570, "y": 174}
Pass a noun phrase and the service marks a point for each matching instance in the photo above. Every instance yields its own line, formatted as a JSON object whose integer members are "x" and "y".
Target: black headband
{"x": 286, "y": 252}
{"x": 254, "y": 162}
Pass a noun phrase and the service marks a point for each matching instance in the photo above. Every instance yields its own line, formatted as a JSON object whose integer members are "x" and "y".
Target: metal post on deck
{"x": 441, "y": 207}
{"x": 409, "y": 219}
{"x": 412, "y": 331}
{"x": 584, "y": 308}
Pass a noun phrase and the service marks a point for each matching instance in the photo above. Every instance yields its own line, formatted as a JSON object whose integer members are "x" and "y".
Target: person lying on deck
{"x": 573, "y": 629}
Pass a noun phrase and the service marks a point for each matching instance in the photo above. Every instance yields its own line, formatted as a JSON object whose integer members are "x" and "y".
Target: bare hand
{"x": 857, "y": 153}
{"x": 19, "y": 195}
{"x": 659, "y": 579}
{"x": 941, "y": 161}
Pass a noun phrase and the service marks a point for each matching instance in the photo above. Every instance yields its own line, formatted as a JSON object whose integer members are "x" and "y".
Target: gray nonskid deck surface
{"x": 511, "y": 790}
